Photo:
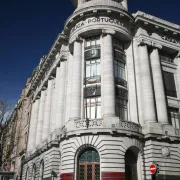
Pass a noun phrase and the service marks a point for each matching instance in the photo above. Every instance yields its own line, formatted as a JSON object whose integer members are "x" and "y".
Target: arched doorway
{"x": 131, "y": 158}
{"x": 89, "y": 165}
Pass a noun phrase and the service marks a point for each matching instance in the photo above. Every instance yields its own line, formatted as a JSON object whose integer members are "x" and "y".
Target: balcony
{"x": 92, "y": 52}
{"x": 94, "y": 90}
{"x": 121, "y": 82}
{"x": 92, "y": 80}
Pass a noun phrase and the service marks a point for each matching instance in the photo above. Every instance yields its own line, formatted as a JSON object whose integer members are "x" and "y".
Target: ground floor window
{"x": 89, "y": 165}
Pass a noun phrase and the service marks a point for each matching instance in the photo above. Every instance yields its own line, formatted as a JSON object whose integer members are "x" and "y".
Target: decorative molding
{"x": 95, "y": 123}
{"x": 127, "y": 125}
{"x": 108, "y": 31}
{"x": 149, "y": 43}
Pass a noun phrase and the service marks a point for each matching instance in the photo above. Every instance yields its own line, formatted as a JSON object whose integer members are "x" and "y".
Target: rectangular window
{"x": 166, "y": 57}
{"x": 174, "y": 117}
{"x": 92, "y": 41}
{"x": 93, "y": 108}
{"x": 121, "y": 109}
{"x": 170, "y": 86}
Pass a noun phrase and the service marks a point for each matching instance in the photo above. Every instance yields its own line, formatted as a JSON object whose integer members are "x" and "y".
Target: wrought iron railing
{"x": 93, "y": 47}
{"x": 92, "y": 80}
{"x": 121, "y": 82}
{"x": 90, "y": 91}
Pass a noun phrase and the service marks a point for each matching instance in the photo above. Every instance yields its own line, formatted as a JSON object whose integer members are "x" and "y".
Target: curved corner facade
{"x": 106, "y": 98}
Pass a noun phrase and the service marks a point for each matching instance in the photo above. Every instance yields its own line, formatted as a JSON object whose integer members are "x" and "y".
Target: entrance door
{"x": 89, "y": 166}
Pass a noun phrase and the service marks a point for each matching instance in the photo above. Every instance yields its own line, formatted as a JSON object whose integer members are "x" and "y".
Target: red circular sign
{"x": 153, "y": 168}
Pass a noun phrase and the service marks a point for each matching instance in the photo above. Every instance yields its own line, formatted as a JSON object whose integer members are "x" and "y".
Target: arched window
{"x": 131, "y": 158}
{"x": 89, "y": 165}
{"x": 34, "y": 172}
{"x": 41, "y": 172}
{"x": 27, "y": 174}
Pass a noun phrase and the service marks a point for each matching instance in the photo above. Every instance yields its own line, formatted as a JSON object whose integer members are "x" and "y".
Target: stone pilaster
{"x": 108, "y": 86}
{"x": 132, "y": 101}
{"x": 177, "y": 61}
{"x": 146, "y": 84}
{"x": 54, "y": 103}
{"x": 75, "y": 112}
{"x": 33, "y": 125}
{"x": 39, "y": 129}
{"x": 159, "y": 91}
{"x": 69, "y": 86}
{"x": 138, "y": 82}
{"x": 61, "y": 95}
{"x": 47, "y": 109}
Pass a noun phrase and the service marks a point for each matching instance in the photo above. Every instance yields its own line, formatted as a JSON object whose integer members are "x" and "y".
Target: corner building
{"x": 106, "y": 98}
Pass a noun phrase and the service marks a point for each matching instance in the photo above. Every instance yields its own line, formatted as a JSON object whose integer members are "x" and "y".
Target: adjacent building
{"x": 106, "y": 98}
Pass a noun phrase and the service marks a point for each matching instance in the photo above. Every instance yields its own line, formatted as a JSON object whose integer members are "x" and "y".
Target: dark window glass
{"x": 170, "y": 87}
{"x": 166, "y": 57}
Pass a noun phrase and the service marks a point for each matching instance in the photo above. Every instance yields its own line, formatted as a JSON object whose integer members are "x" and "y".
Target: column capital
{"x": 156, "y": 46}
{"x": 108, "y": 31}
{"x": 79, "y": 39}
{"x": 144, "y": 42}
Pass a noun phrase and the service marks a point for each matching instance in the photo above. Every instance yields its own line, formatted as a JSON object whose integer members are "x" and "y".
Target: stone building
{"x": 106, "y": 98}
{"x": 16, "y": 134}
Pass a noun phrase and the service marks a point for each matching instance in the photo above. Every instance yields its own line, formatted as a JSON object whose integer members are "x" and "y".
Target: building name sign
{"x": 96, "y": 20}
{"x": 169, "y": 39}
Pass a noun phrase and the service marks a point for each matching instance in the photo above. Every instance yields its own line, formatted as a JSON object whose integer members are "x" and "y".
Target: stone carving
{"x": 92, "y": 123}
{"x": 126, "y": 125}
{"x": 177, "y": 132}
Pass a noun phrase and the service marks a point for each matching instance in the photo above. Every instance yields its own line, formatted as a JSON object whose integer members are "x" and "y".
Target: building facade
{"x": 106, "y": 98}
{"x": 16, "y": 134}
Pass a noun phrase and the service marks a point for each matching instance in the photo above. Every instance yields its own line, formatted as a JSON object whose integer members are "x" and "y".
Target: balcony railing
{"x": 92, "y": 80}
{"x": 175, "y": 120}
{"x": 121, "y": 82}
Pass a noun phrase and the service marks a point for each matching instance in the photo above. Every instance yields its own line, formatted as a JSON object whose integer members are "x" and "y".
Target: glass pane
{"x": 98, "y": 112}
{"x": 116, "y": 70}
{"x": 93, "y": 42}
{"x": 88, "y": 71}
{"x": 88, "y": 43}
{"x": 98, "y": 70}
{"x": 93, "y": 112}
{"x": 93, "y": 70}
{"x": 88, "y": 112}
{"x": 98, "y": 41}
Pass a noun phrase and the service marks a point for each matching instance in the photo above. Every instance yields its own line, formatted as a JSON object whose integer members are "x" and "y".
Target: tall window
{"x": 170, "y": 86}
{"x": 34, "y": 172}
{"x": 41, "y": 172}
{"x": 92, "y": 80}
{"x": 27, "y": 174}
{"x": 174, "y": 117}
{"x": 89, "y": 165}
{"x": 120, "y": 80}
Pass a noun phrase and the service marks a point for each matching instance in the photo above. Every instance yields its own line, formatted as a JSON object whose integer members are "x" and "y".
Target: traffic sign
{"x": 153, "y": 168}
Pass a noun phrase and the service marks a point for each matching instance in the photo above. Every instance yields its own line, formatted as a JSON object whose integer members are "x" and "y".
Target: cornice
{"x": 48, "y": 60}
{"x": 96, "y": 12}
{"x": 61, "y": 56}
{"x": 142, "y": 41}
{"x": 158, "y": 23}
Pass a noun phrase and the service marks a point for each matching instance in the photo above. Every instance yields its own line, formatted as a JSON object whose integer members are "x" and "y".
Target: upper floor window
{"x": 92, "y": 41}
{"x": 174, "y": 117}
{"x": 41, "y": 172}
{"x": 166, "y": 57}
{"x": 169, "y": 82}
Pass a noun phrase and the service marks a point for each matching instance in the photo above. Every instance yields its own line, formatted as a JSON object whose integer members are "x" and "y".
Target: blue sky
{"x": 29, "y": 28}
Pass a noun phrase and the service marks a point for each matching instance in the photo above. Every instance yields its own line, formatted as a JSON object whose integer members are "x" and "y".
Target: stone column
{"x": 40, "y": 117}
{"x": 69, "y": 87}
{"x": 132, "y": 100}
{"x": 75, "y": 112}
{"x": 54, "y": 99}
{"x": 33, "y": 125}
{"x": 61, "y": 95}
{"x": 138, "y": 82}
{"x": 159, "y": 91}
{"x": 108, "y": 87}
{"x": 146, "y": 85}
{"x": 47, "y": 109}
{"x": 177, "y": 61}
